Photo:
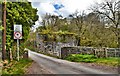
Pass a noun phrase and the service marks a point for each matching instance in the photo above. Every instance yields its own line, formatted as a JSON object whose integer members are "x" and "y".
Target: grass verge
{"x": 16, "y": 68}
{"x": 112, "y": 61}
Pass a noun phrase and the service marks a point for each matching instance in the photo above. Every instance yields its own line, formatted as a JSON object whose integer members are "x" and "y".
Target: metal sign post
{"x": 18, "y": 35}
{"x": 18, "y": 49}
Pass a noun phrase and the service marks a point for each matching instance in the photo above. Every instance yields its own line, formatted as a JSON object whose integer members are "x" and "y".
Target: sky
{"x": 60, "y": 7}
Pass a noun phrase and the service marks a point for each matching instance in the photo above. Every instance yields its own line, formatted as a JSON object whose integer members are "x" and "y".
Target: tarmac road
{"x": 59, "y": 66}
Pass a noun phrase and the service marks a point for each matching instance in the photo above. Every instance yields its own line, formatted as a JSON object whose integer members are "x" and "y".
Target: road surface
{"x": 58, "y": 66}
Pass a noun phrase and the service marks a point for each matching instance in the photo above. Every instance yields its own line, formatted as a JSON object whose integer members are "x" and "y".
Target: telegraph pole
{"x": 4, "y": 32}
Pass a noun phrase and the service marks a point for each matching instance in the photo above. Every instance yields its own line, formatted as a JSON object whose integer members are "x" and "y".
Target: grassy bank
{"x": 112, "y": 61}
{"x": 16, "y": 67}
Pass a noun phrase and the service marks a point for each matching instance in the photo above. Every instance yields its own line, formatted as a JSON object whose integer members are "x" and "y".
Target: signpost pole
{"x": 18, "y": 49}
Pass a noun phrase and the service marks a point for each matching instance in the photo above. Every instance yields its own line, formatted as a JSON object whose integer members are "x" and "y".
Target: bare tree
{"x": 110, "y": 9}
{"x": 78, "y": 20}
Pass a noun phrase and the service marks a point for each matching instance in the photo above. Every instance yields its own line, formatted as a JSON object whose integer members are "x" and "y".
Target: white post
{"x": 106, "y": 52}
{"x": 115, "y": 52}
{"x": 18, "y": 49}
{"x": 60, "y": 52}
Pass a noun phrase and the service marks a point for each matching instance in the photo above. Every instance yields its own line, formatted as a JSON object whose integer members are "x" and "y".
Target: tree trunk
{"x": 118, "y": 42}
{"x": 118, "y": 37}
{"x": 78, "y": 41}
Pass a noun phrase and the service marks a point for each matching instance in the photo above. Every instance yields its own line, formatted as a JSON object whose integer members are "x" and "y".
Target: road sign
{"x": 17, "y": 31}
{"x": 17, "y": 35}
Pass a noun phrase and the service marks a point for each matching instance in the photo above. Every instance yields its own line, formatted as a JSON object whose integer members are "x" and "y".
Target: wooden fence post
{"x": 95, "y": 52}
{"x": 106, "y": 54}
{"x": 115, "y": 52}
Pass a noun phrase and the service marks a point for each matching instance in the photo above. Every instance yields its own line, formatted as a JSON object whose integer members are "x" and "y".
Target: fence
{"x": 113, "y": 52}
{"x": 107, "y": 52}
{"x": 98, "y": 52}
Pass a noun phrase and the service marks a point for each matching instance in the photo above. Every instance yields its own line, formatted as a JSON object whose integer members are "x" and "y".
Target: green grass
{"x": 112, "y": 61}
{"x": 18, "y": 67}
{"x": 81, "y": 58}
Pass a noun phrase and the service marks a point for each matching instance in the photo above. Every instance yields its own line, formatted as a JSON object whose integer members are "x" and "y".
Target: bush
{"x": 30, "y": 45}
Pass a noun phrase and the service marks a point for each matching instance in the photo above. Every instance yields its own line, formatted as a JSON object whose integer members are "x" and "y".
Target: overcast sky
{"x": 61, "y": 7}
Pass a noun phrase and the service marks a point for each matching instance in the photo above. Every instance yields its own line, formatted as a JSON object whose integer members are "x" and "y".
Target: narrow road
{"x": 58, "y": 66}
